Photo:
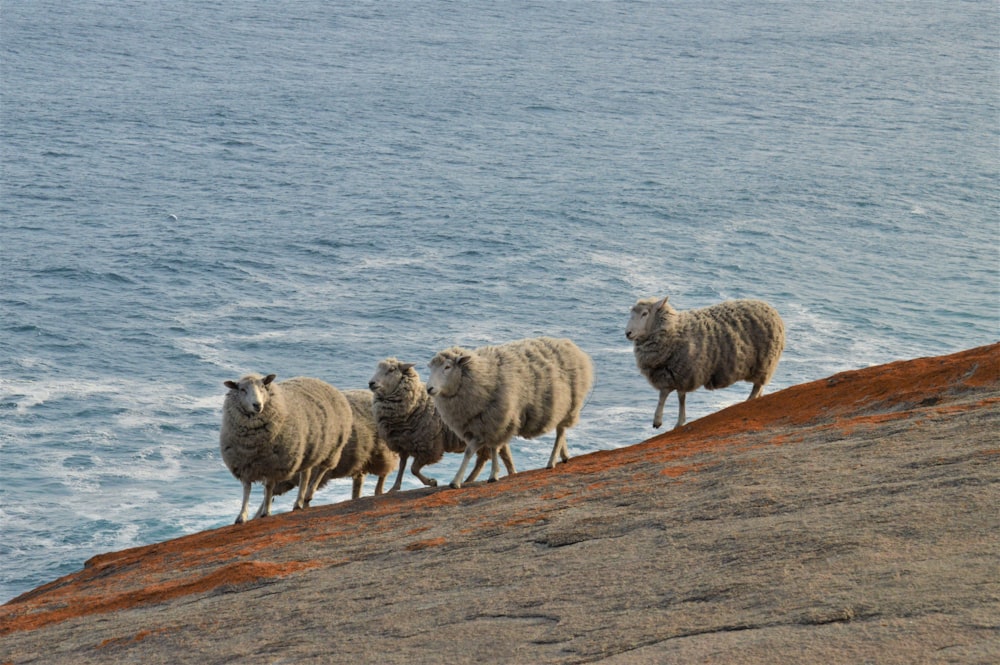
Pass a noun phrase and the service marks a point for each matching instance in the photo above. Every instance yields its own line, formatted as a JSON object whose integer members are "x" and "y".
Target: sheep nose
{"x": 430, "y": 390}
{"x": 371, "y": 385}
{"x": 257, "y": 407}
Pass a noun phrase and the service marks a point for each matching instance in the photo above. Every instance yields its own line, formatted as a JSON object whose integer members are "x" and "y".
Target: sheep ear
{"x": 661, "y": 304}
{"x": 463, "y": 360}
{"x": 232, "y": 385}
{"x": 403, "y": 367}
{"x": 268, "y": 379}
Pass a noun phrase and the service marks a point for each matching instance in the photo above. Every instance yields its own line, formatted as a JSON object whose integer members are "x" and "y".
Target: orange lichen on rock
{"x": 120, "y": 641}
{"x": 260, "y": 550}
{"x": 119, "y": 572}
{"x": 520, "y": 517}
{"x": 679, "y": 470}
{"x": 231, "y": 575}
{"x": 424, "y": 544}
{"x": 875, "y": 392}
{"x": 532, "y": 519}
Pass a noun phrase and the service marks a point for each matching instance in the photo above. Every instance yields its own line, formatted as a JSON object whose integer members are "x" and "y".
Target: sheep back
{"x": 712, "y": 347}
{"x": 325, "y": 418}
{"x": 523, "y": 388}
{"x": 406, "y": 417}
{"x": 365, "y": 451}
{"x": 304, "y": 421}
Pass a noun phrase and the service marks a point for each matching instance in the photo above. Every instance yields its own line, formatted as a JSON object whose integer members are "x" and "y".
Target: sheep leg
{"x": 507, "y": 460}
{"x": 681, "y": 416}
{"x": 317, "y": 480}
{"x": 356, "y": 485}
{"x": 470, "y": 450}
{"x": 505, "y": 457}
{"x": 399, "y": 476}
{"x": 494, "y": 465}
{"x": 658, "y": 416}
{"x": 265, "y": 505}
{"x": 426, "y": 480}
{"x": 564, "y": 450}
{"x": 755, "y": 392}
{"x": 476, "y": 470}
{"x": 559, "y": 449}
{"x": 302, "y": 500}
{"x": 245, "y": 509}
{"x": 380, "y": 486}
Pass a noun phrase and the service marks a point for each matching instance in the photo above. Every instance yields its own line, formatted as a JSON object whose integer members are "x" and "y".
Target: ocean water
{"x": 194, "y": 190}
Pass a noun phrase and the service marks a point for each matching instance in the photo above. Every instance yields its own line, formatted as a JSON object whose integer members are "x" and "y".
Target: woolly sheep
{"x": 524, "y": 388}
{"x": 712, "y": 347}
{"x": 272, "y": 432}
{"x": 365, "y": 453}
{"x": 410, "y": 424}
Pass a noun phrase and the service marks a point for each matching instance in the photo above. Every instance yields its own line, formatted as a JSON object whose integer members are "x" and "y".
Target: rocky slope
{"x": 852, "y": 519}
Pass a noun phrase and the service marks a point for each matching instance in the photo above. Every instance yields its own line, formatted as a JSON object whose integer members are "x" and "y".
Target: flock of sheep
{"x": 303, "y": 432}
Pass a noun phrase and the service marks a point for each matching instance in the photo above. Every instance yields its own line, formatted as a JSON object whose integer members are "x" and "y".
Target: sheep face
{"x": 447, "y": 368}
{"x": 251, "y": 392}
{"x": 640, "y": 323}
{"x": 388, "y": 375}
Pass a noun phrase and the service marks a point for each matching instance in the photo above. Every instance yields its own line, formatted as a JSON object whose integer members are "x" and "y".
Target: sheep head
{"x": 640, "y": 323}
{"x": 251, "y": 392}
{"x": 388, "y": 375}
{"x": 447, "y": 368}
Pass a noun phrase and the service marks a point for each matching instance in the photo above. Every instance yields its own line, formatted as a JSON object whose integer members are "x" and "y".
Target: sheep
{"x": 712, "y": 347}
{"x": 524, "y": 388}
{"x": 366, "y": 451}
{"x": 410, "y": 424}
{"x": 272, "y": 432}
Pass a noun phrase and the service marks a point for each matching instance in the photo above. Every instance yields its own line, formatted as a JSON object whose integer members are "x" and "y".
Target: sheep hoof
{"x": 431, "y": 482}
{"x": 491, "y": 480}
{"x": 455, "y": 485}
{"x": 240, "y": 520}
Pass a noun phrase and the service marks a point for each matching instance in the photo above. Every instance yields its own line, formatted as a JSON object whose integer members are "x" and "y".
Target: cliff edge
{"x": 851, "y": 519}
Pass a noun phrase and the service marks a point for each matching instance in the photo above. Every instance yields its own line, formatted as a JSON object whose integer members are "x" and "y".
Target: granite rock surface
{"x": 852, "y": 519}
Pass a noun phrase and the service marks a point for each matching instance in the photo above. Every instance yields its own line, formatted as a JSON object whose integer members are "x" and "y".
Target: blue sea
{"x": 196, "y": 190}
